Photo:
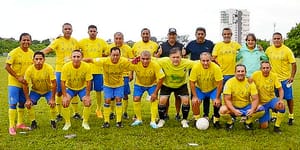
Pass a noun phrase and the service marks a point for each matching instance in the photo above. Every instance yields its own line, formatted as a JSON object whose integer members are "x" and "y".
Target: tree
{"x": 263, "y": 43}
{"x": 293, "y": 40}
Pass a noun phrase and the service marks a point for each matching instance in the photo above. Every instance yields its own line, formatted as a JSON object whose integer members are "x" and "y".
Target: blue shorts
{"x": 139, "y": 90}
{"x": 126, "y": 86}
{"x": 201, "y": 95}
{"x": 16, "y": 95}
{"x": 288, "y": 92}
{"x": 58, "y": 85}
{"x": 34, "y": 96}
{"x": 110, "y": 93}
{"x": 226, "y": 77}
{"x": 80, "y": 93}
{"x": 269, "y": 105}
{"x": 97, "y": 82}
{"x": 246, "y": 108}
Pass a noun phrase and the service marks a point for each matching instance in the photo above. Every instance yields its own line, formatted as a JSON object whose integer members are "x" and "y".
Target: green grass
{"x": 172, "y": 136}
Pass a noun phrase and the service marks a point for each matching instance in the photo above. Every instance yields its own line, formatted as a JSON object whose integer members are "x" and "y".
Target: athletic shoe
{"x": 111, "y": 116}
{"x": 12, "y": 131}
{"x": 125, "y": 115}
{"x": 85, "y": 125}
{"x": 66, "y": 126}
{"x": 273, "y": 119}
{"x": 119, "y": 125}
{"x": 217, "y": 125}
{"x": 136, "y": 123}
{"x": 290, "y": 122}
{"x": 229, "y": 126}
{"x": 23, "y": 126}
{"x": 77, "y": 116}
{"x": 33, "y": 125}
{"x": 277, "y": 130}
{"x": 59, "y": 118}
{"x": 105, "y": 125}
{"x": 99, "y": 114}
{"x": 248, "y": 126}
{"x": 184, "y": 123}
{"x": 153, "y": 125}
{"x": 166, "y": 117}
{"x": 177, "y": 117}
{"x": 161, "y": 123}
{"x": 53, "y": 124}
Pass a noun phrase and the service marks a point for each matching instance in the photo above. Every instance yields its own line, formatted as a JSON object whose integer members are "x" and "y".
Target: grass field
{"x": 171, "y": 136}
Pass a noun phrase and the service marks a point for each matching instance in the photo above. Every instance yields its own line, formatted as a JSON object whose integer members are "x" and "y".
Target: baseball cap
{"x": 172, "y": 30}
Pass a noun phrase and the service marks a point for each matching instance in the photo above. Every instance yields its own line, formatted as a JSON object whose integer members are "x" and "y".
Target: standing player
{"x": 266, "y": 82}
{"x": 283, "y": 63}
{"x": 149, "y": 77}
{"x": 145, "y": 44}
{"x": 94, "y": 47}
{"x": 126, "y": 52}
{"x": 41, "y": 80}
{"x": 241, "y": 99}
{"x": 176, "y": 71}
{"x": 206, "y": 81}
{"x": 76, "y": 79}
{"x": 18, "y": 60}
{"x": 63, "y": 47}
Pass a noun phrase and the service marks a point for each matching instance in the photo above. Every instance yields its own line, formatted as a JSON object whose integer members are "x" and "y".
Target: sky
{"x": 43, "y": 19}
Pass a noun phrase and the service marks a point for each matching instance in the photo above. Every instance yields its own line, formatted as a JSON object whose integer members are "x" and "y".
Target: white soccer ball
{"x": 202, "y": 124}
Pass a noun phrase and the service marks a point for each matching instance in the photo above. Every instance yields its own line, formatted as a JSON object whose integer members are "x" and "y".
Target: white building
{"x": 238, "y": 21}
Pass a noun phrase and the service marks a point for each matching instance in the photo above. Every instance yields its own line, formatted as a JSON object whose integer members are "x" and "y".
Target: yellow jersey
{"x": 140, "y": 46}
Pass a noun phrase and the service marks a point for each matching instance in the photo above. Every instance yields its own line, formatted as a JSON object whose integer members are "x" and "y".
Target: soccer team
{"x": 225, "y": 71}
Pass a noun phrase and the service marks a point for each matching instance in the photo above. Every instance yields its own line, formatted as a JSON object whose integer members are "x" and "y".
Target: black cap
{"x": 172, "y": 30}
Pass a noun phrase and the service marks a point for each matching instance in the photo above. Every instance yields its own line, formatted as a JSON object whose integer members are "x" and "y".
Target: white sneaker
{"x": 86, "y": 126}
{"x": 161, "y": 123}
{"x": 184, "y": 123}
{"x": 66, "y": 126}
{"x": 153, "y": 125}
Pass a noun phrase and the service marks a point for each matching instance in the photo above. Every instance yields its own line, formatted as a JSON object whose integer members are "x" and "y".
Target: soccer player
{"x": 126, "y": 52}
{"x": 18, "y": 60}
{"x": 206, "y": 81}
{"x": 76, "y": 79}
{"x": 266, "y": 82}
{"x": 241, "y": 99}
{"x": 94, "y": 47}
{"x": 113, "y": 69}
{"x": 149, "y": 77}
{"x": 145, "y": 44}
{"x": 63, "y": 47}
{"x": 283, "y": 63}
{"x": 41, "y": 80}
{"x": 224, "y": 54}
{"x": 164, "y": 51}
{"x": 176, "y": 70}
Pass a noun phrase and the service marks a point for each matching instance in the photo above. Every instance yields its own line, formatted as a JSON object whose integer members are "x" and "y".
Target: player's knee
{"x": 264, "y": 125}
{"x": 223, "y": 110}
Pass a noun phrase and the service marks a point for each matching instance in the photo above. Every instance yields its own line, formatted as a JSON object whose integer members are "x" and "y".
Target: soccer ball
{"x": 202, "y": 124}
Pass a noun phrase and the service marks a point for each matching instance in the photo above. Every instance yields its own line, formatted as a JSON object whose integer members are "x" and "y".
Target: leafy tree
{"x": 263, "y": 43}
{"x": 293, "y": 40}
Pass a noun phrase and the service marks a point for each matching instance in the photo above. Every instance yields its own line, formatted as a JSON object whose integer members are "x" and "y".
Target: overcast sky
{"x": 43, "y": 18}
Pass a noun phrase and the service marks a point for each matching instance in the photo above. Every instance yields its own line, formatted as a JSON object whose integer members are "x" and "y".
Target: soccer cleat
{"x": 125, "y": 115}
{"x": 59, "y": 118}
{"x": 184, "y": 123}
{"x": 99, "y": 114}
{"x": 177, "y": 117}
{"x": 23, "y": 126}
{"x": 248, "y": 126}
{"x": 85, "y": 125}
{"x": 77, "y": 116}
{"x": 105, "y": 125}
{"x": 33, "y": 125}
{"x": 229, "y": 126}
{"x": 290, "y": 122}
{"x": 277, "y": 130}
{"x": 111, "y": 116}
{"x": 153, "y": 125}
{"x": 217, "y": 125}
{"x": 161, "y": 123}
{"x": 136, "y": 123}
{"x": 166, "y": 117}
{"x": 12, "y": 131}
{"x": 66, "y": 126}
{"x": 53, "y": 124}
{"x": 119, "y": 125}
{"x": 273, "y": 119}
